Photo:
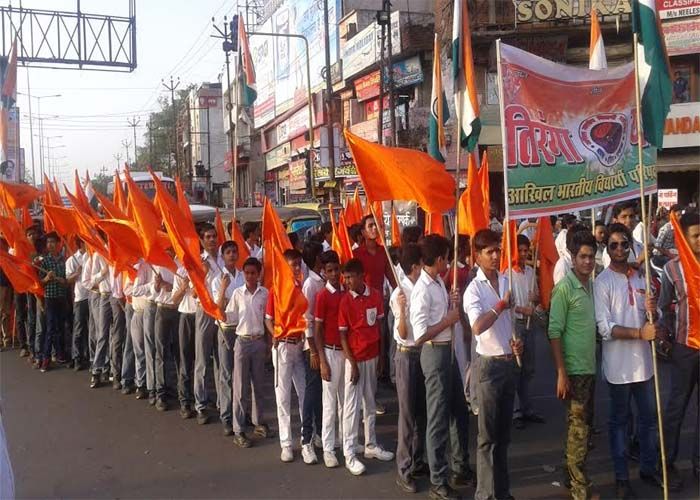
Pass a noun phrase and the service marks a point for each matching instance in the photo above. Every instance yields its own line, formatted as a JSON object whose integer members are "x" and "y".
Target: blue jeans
{"x": 620, "y": 397}
{"x": 311, "y": 421}
{"x": 54, "y": 327}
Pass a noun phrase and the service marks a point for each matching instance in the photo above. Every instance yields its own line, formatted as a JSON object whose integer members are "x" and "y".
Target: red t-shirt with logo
{"x": 359, "y": 316}
{"x": 326, "y": 312}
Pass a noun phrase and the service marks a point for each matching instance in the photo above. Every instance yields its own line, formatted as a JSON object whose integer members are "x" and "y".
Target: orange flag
{"x": 395, "y": 229}
{"x": 389, "y": 173}
{"x": 512, "y": 234}
{"x": 289, "y": 302}
{"x": 378, "y": 208}
{"x": 27, "y": 220}
{"x": 51, "y": 197}
{"x": 69, "y": 221}
{"x": 182, "y": 200}
{"x": 353, "y": 209}
{"x": 16, "y": 237}
{"x": 273, "y": 235}
{"x": 111, "y": 210}
{"x": 547, "y": 255}
{"x": 237, "y": 236}
{"x": 119, "y": 196}
{"x": 474, "y": 202}
{"x": 123, "y": 245}
{"x": 691, "y": 271}
{"x": 434, "y": 224}
{"x": 341, "y": 239}
{"x": 220, "y": 229}
{"x": 81, "y": 201}
{"x": 21, "y": 274}
{"x": 14, "y": 196}
{"x": 185, "y": 243}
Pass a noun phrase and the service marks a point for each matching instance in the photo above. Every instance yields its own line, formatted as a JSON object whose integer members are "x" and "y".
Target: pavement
{"x": 67, "y": 440}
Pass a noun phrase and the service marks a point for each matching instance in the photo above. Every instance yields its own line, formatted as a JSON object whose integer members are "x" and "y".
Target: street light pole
{"x": 133, "y": 123}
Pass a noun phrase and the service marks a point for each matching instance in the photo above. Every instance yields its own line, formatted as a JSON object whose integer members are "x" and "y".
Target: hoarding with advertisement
{"x": 363, "y": 49}
{"x": 672, "y": 9}
{"x": 682, "y": 126}
{"x": 682, "y": 36}
{"x": 11, "y": 171}
{"x": 407, "y": 72}
{"x": 262, "y": 50}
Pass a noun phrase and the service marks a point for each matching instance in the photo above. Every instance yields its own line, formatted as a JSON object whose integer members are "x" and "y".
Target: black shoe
{"x": 161, "y": 405}
{"x": 202, "y": 418}
{"x": 653, "y": 479}
{"x": 228, "y": 430}
{"x": 466, "y": 480}
{"x": 380, "y": 409}
{"x": 95, "y": 381}
{"x": 407, "y": 485}
{"x": 128, "y": 389}
{"x": 519, "y": 423}
{"x": 633, "y": 451}
{"x": 675, "y": 480}
{"x": 534, "y": 418}
{"x": 443, "y": 492}
{"x": 242, "y": 441}
{"x": 623, "y": 490}
{"x": 141, "y": 393}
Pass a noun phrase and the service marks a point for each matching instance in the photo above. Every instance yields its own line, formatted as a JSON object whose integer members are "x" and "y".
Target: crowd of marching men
{"x": 333, "y": 322}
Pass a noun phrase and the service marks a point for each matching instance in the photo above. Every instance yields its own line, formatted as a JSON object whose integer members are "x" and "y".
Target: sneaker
{"x": 23, "y": 353}
{"x": 379, "y": 453}
{"x": 228, "y": 429}
{"x": 186, "y": 412}
{"x": 443, "y": 492}
{"x": 464, "y": 480}
{"x": 355, "y": 467}
{"x": 623, "y": 490}
{"x": 330, "y": 460}
{"x": 242, "y": 441}
{"x": 117, "y": 384}
{"x": 262, "y": 431}
{"x": 309, "y": 454}
{"x": 36, "y": 364}
{"x": 317, "y": 441}
{"x": 128, "y": 389}
{"x": 141, "y": 393}
{"x": 359, "y": 449}
{"x": 161, "y": 405}
{"x": 202, "y": 418}
{"x": 287, "y": 454}
{"x": 380, "y": 409}
{"x": 533, "y": 417}
{"x": 44, "y": 366}
{"x": 152, "y": 400}
{"x": 95, "y": 381}
{"x": 407, "y": 485}
{"x": 653, "y": 479}
{"x": 675, "y": 481}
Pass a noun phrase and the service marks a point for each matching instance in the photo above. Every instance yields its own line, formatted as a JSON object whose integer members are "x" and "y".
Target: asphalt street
{"x": 67, "y": 440}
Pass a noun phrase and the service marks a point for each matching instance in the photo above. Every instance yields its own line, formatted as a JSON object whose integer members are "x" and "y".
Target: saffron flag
{"x": 466, "y": 101}
{"x": 21, "y": 274}
{"x": 596, "y": 52}
{"x": 395, "y": 229}
{"x": 14, "y": 196}
{"x": 70, "y": 221}
{"x": 123, "y": 245}
{"x": 389, "y": 173}
{"x": 220, "y": 229}
{"x": 547, "y": 256}
{"x": 474, "y": 202}
{"x": 51, "y": 197}
{"x": 691, "y": 272}
{"x": 81, "y": 202}
{"x": 590, "y": 156}
{"x": 353, "y": 209}
{"x": 434, "y": 224}
{"x": 341, "y": 239}
{"x": 27, "y": 220}
{"x": 248, "y": 89}
{"x": 289, "y": 302}
{"x": 185, "y": 244}
{"x": 273, "y": 235}
{"x": 16, "y": 237}
{"x": 439, "y": 113}
{"x": 654, "y": 74}
{"x": 111, "y": 210}
{"x": 182, "y": 200}
{"x": 237, "y": 236}
{"x": 510, "y": 236}
{"x": 119, "y": 197}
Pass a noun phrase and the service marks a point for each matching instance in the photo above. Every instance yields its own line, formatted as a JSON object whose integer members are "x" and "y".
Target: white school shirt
{"x": 72, "y": 264}
{"x": 246, "y": 311}
{"x": 163, "y": 297}
{"x": 236, "y": 280}
{"x": 638, "y": 235}
{"x": 480, "y": 297}
{"x": 562, "y": 267}
{"x": 115, "y": 284}
{"x": 188, "y": 304}
{"x": 619, "y": 300}
{"x": 326, "y": 246}
{"x": 311, "y": 287}
{"x": 141, "y": 289}
{"x": 216, "y": 267}
{"x": 86, "y": 274}
{"x": 560, "y": 243}
{"x": 100, "y": 274}
{"x": 254, "y": 251}
{"x": 407, "y": 286}
{"x": 429, "y": 305}
{"x": 522, "y": 284}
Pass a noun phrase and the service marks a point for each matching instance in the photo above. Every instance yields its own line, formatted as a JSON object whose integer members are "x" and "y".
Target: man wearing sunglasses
{"x": 621, "y": 310}
{"x": 625, "y": 213}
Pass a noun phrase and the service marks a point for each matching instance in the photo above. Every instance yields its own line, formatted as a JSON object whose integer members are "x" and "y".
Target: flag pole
{"x": 386, "y": 250}
{"x": 459, "y": 161}
{"x": 505, "y": 189}
{"x": 647, "y": 269}
{"x": 234, "y": 152}
{"x": 532, "y": 285}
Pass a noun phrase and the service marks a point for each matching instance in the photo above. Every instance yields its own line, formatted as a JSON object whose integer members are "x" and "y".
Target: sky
{"x": 173, "y": 38}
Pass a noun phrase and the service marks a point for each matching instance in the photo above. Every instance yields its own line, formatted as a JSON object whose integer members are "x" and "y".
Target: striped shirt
{"x": 673, "y": 301}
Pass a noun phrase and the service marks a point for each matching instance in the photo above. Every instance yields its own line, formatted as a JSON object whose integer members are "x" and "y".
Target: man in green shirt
{"x": 572, "y": 334}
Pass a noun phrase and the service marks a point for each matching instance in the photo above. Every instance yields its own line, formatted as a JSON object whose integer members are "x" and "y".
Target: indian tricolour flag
{"x": 596, "y": 53}
{"x": 466, "y": 101}
{"x": 654, "y": 75}
{"x": 8, "y": 97}
{"x": 248, "y": 89}
{"x": 438, "y": 109}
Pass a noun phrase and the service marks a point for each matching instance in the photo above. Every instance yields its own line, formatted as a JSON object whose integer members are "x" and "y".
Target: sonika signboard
{"x": 532, "y": 11}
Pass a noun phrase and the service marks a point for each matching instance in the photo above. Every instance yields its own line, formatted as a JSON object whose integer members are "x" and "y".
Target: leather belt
{"x": 434, "y": 343}
{"x": 502, "y": 357}
{"x": 333, "y": 347}
{"x": 289, "y": 340}
{"x": 249, "y": 338}
{"x": 408, "y": 348}
{"x": 168, "y": 306}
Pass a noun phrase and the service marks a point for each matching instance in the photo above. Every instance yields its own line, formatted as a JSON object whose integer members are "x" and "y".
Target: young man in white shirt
{"x": 183, "y": 295}
{"x": 621, "y": 308}
{"x": 433, "y": 314}
{"x": 99, "y": 280}
{"x": 487, "y": 302}
{"x": 251, "y": 235}
{"x": 81, "y": 309}
{"x": 625, "y": 213}
{"x": 165, "y": 331}
{"x": 567, "y": 221}
{"x": 140, "y": 291}
{"x": 117, "y": 332}
{"x": 410, "y": 382}
{"x": 246, "y": 312}
{"x": 128, "y": 361}
{"x": 205, "y": 326}
{"x": 525, "y": 299}
{"x": 222, "y": 288}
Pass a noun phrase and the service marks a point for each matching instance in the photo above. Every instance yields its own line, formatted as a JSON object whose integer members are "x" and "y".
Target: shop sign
{"x": 407, "y": 72}
{"x": 682, "y": 37}
{"x": 667, "y": 197}
{"x": 208, "y": 101}
{"x": 364, "y": 48}
{"x": 532, "y": 11}
{"x": 278, "y": 156}
{"x": 297, "y": 175}
{"x": 682, "y": 126}
{"x": 672, "y": 9}
{"x": 294, "y": 126}
{"x": 367, "y": 130}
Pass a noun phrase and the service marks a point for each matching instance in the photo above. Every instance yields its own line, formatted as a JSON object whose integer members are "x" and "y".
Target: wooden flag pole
{"x": 386, "y": 250}
{"x": 459, "y": 161}
{"x": 647, "y": 268}
{"x": 532, "y": 285}
{"x": 506, "y": 222}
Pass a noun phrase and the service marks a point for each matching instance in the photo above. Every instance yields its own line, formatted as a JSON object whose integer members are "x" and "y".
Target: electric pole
{"x": 133, "y": 123}
{"x": 150, "y": 140}
{"x": 126, "y": 145}
{"x": 173, "y": 145}
{"x": 329, "y": 108}
{"x": 118, "y": 157}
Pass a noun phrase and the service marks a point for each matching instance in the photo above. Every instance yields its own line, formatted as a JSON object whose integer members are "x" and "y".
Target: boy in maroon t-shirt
{"x": 360, "y": 313}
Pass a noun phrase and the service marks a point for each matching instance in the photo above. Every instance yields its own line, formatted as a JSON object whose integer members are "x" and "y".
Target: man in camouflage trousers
{"x": 572, "y": 331}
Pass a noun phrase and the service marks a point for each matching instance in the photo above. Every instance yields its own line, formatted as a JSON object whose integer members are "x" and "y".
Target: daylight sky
{"x": 173, "y": 38}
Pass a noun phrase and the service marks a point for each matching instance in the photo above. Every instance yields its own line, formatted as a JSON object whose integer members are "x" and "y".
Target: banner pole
{"x": 645, "y": 243}
{"x": 505, "y": 188}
